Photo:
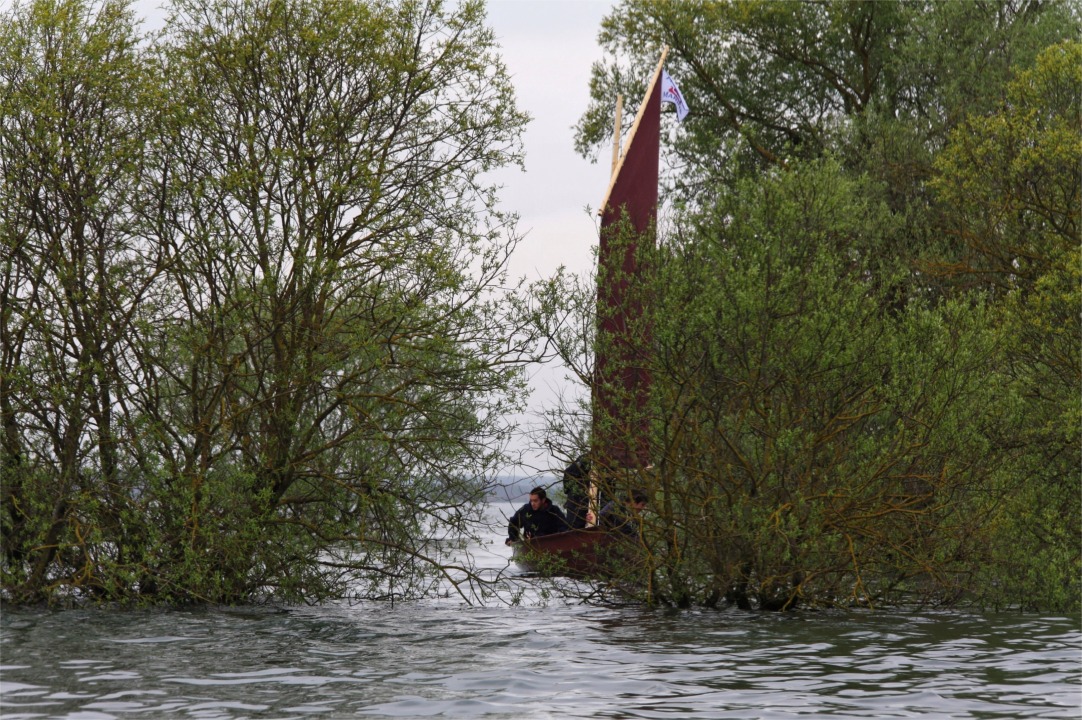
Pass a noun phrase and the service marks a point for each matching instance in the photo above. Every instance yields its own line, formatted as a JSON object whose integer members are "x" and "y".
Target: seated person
{"x": 535, "y": 518}
{"x": 623, "y": 517}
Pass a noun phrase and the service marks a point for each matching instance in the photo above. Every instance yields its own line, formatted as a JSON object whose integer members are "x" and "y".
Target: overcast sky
{"x": 549, "y": 46}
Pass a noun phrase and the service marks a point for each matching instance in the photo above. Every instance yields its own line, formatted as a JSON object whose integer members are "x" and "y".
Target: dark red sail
{"x": 628, "y": 218}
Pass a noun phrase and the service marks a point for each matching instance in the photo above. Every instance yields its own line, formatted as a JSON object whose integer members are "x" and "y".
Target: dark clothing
{"x": 614, "y": 517}
{"x": 546, "y": 520}
{"x": 577, "y": 508}
{"x": 577, "y": 490}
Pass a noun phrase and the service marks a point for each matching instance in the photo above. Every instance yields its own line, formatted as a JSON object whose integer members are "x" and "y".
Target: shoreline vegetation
{"x": 257, "y": 342}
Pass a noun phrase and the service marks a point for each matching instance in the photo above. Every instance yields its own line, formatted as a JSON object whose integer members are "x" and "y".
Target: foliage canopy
{"x": 255, "y": 331}
{"x": 865, "y": 335}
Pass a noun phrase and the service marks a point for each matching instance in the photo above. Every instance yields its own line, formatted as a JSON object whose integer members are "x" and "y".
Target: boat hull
{"x": 574, "y": 552}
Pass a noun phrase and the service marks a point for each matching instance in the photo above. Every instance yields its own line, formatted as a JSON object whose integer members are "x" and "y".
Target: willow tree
{"x": 810, "y": 448}
{"x": 324, "y": 360}
{"x": 76, "y": 118}
{"x": 1011, "y": 179}
{"x": 339, "y": 365}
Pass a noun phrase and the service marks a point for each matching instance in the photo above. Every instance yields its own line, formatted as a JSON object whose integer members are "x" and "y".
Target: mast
{"x": 616, "y": 135}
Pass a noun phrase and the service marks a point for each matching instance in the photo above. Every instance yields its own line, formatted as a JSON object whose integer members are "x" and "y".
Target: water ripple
{"x": 441, "y": 660}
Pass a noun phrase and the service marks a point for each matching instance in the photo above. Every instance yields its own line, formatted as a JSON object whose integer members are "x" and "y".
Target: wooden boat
{"x": 573, "y": 553}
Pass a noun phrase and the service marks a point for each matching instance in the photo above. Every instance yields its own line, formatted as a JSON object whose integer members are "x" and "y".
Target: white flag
{"x": 671, "y": 93}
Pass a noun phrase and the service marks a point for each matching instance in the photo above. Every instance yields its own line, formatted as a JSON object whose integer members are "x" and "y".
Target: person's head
{"x": 578, "y": 469}
{"x": 538, "y": 497}
{"x": 639, "y": 499}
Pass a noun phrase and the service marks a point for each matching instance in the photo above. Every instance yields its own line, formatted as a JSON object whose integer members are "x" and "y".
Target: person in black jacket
{"x": 577, "y": 490}
{"x": 537, "y": 517}
{"x": 624, "y": 517}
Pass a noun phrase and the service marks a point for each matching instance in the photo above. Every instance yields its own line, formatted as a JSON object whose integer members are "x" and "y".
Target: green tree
{"x": 306, "y": 330}
{"x": 1013, "y": 183}
{"x": 811, "y": 448}
{"x": 76, "y": 115}
{"x": 337, "y": 258}
{"x": 866, "y": 332}
{"x": 1011, "y": 177}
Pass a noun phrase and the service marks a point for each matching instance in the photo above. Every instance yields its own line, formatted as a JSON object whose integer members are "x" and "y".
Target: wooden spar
{"x": 634, "y": 127}
{"x": 616, "y": 133}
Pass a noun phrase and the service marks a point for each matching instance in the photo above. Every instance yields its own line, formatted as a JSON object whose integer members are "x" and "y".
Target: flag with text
{"x": 671, "y": 93}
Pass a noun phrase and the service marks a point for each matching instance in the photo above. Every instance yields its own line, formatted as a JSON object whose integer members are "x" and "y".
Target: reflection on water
{"x": 442, "y": 660}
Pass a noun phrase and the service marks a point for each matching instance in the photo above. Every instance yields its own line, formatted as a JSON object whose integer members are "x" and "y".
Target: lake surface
{"x": 442, "y": 659}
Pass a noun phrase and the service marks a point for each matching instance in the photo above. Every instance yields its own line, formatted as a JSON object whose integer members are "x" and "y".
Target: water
{"x": 440, "y": 659}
